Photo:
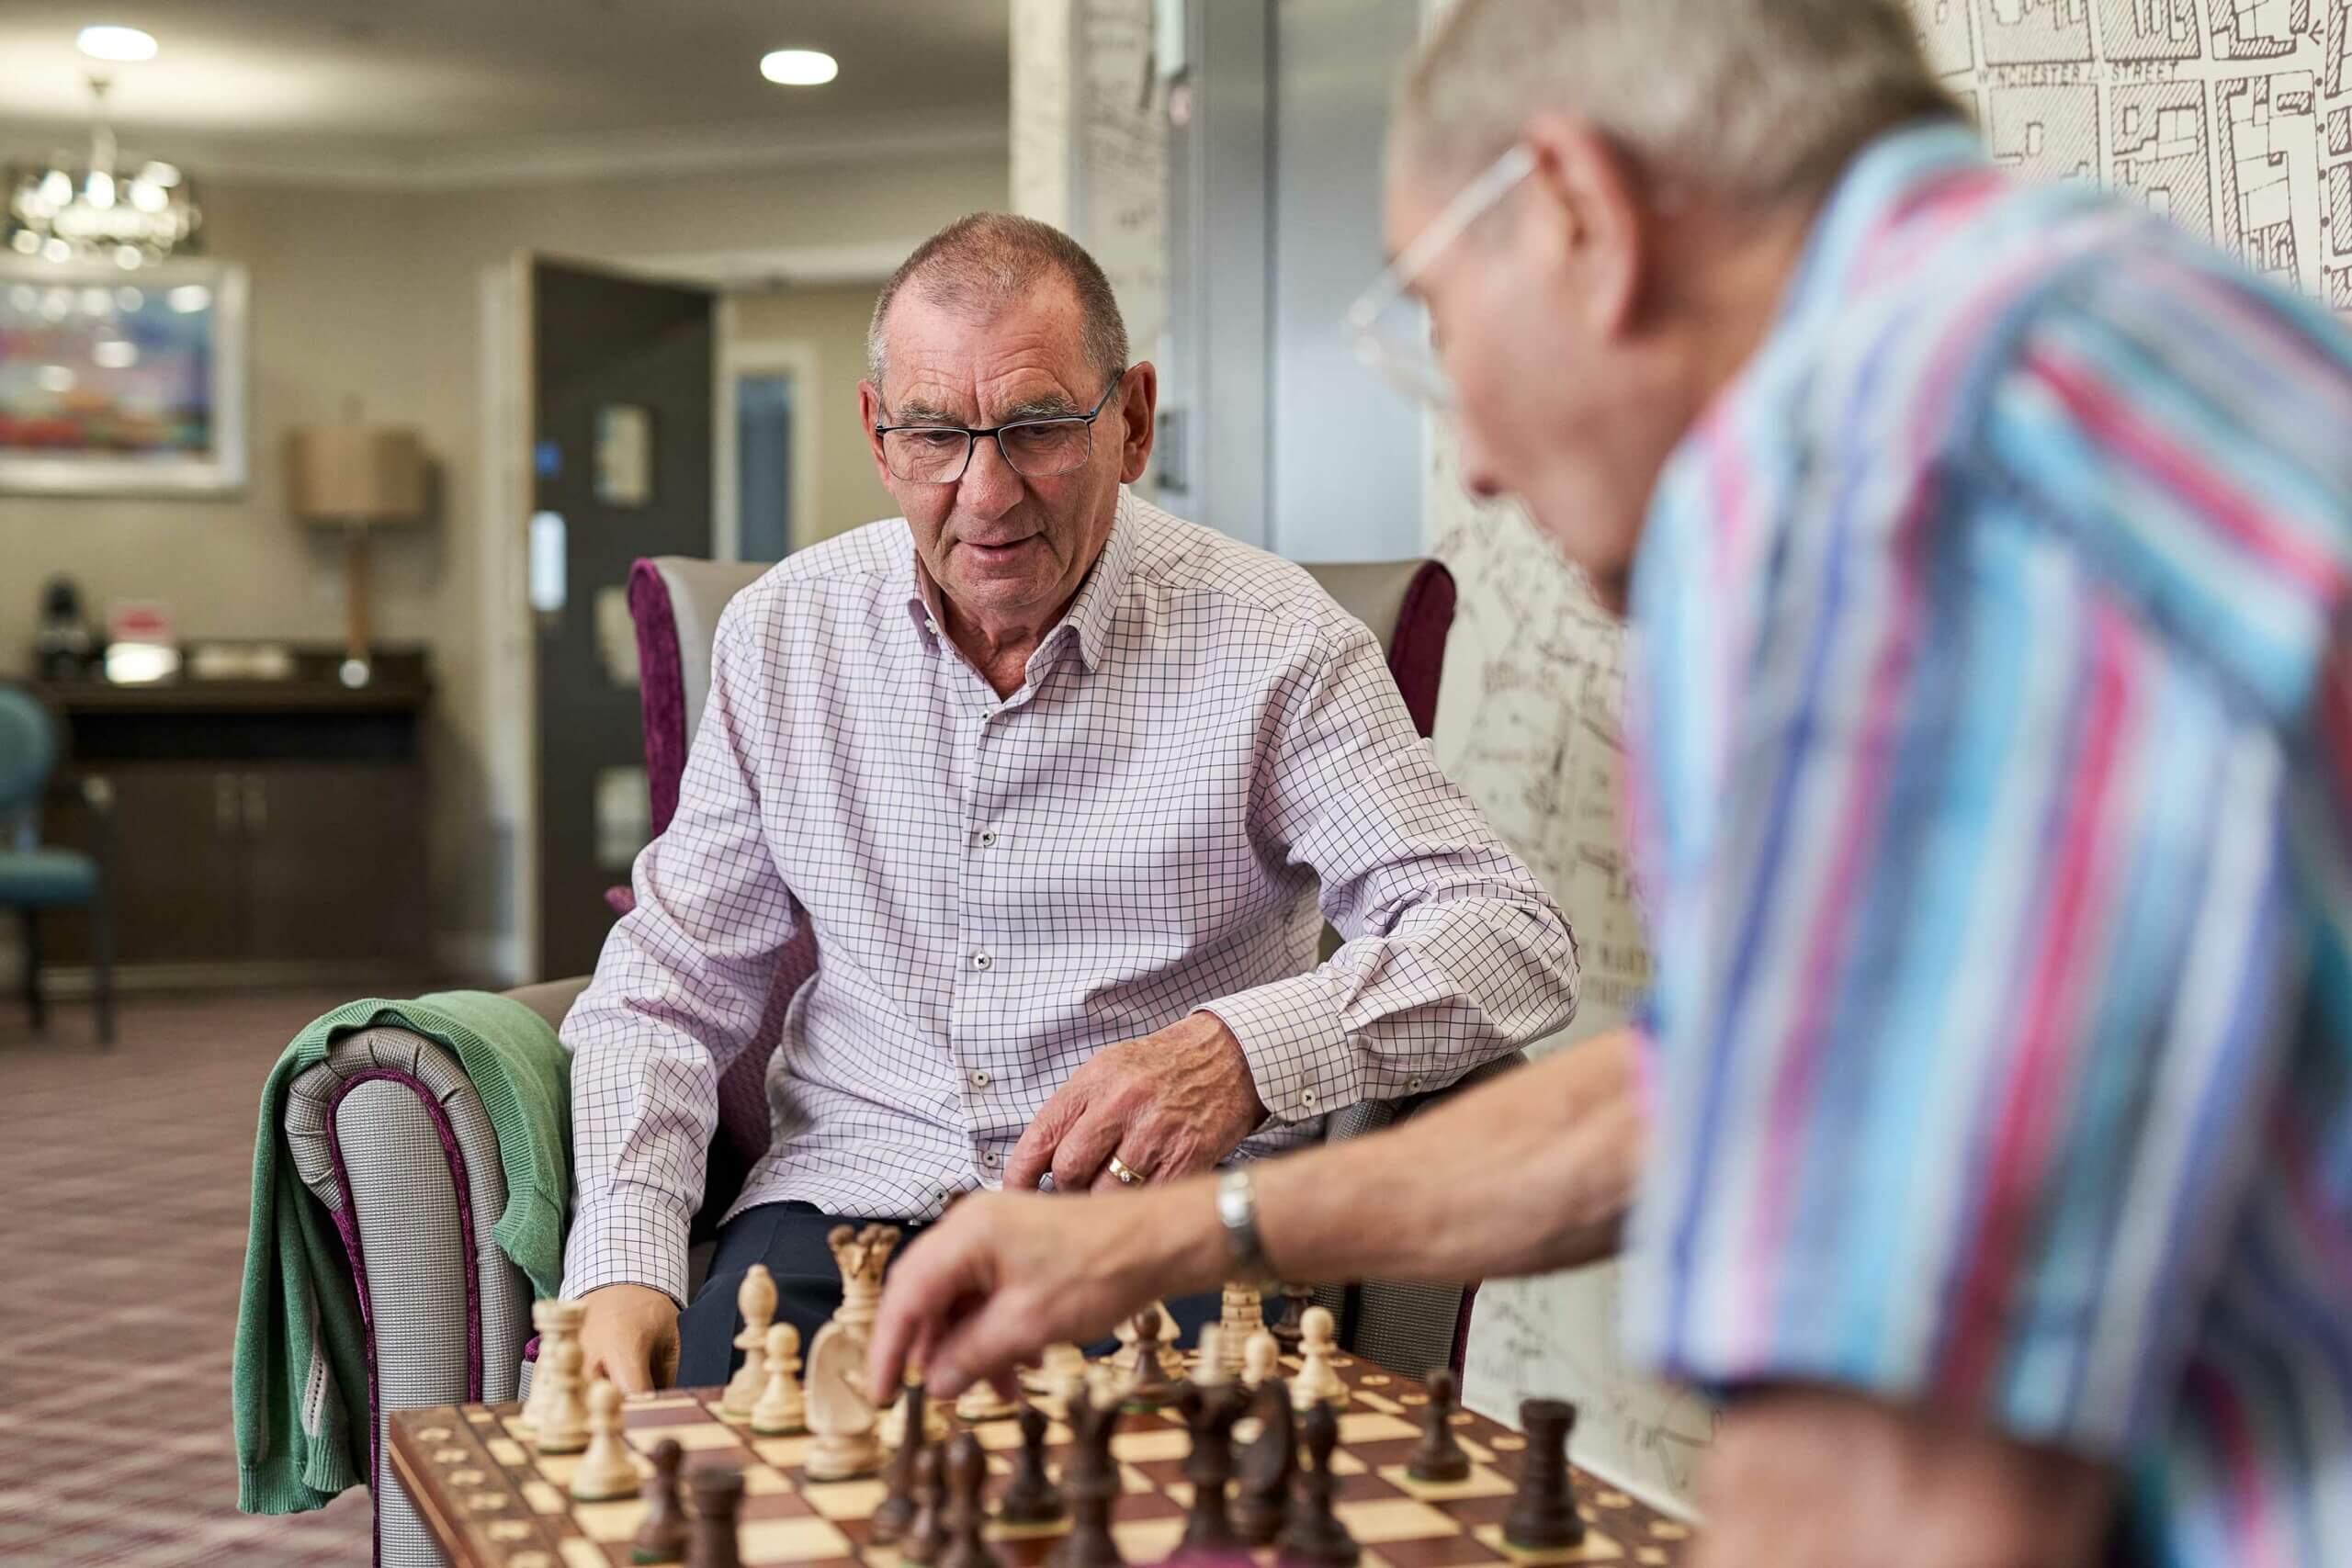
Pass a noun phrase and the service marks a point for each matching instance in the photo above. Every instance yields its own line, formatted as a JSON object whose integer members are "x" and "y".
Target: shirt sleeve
{"x": 1453, "y": 954}
{"x": 680, "y": 989}
{"x": 1976, "y": 978}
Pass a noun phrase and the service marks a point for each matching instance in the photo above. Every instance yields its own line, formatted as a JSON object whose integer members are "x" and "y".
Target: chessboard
{"x": 494, "y": 1501}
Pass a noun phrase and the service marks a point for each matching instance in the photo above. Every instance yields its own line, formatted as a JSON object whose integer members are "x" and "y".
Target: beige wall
{"x": 831, "y": 325}
{"x": 376, "y": 293}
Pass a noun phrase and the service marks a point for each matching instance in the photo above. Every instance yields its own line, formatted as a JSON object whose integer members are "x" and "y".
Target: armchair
{"x": 391, "y": 1138}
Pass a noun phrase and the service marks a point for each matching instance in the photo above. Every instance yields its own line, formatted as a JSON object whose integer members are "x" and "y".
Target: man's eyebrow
{"x": 1053, "y": 405}
{"x": 916, "y": 411}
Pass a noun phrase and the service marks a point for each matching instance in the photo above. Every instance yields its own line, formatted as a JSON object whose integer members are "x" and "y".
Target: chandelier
{"x": 63, "y": 213}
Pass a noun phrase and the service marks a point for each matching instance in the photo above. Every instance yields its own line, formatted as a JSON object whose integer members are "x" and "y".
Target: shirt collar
{"x": 1091, "y": 614}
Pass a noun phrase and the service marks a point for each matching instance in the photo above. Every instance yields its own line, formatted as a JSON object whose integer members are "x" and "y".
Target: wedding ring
{"x": 1128, "y": 1176}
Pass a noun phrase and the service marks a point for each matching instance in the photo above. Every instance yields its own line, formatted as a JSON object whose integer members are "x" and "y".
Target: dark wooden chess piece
{"x": 1314, "y": 1533}
{"x": 1031, "y": 1497}
{"x": 717, "y": 1492}
{"x": 1438, "y": 1456}
{"x": 897, "y": 1511}
{"x": 967, "y": 1516}
{"x": 1153, "y": 1388}
{"x": 926, "y": 1537}
{"x": 1290, "y": 1326}
{"x": 1542, "y": 1515}
{"x": 1267, "y": 1465}
{"x": 662, "y": 1536}
{"x": 1210, "y": 1413}
{"x": 1093, "y": 1485}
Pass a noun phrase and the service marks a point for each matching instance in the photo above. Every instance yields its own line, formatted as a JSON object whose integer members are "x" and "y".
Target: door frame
{"x": 797, "y": 357}
{"x": 508, "y": 952}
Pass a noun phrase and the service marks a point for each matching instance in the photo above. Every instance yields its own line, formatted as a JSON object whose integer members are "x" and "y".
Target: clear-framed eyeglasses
{"x": 1034, "y": 449}
{"x": 1388, "y": 323}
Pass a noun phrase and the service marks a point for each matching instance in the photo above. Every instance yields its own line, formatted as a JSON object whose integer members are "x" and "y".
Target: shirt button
{"x": 983, "y": 961}
{"x": 1306, "y": 1099}
{"x": 988, "y": 838}
{"x": 1413, "y": 1083}
{"x": 989, "y": 1159}
{"x": 980, "y": 1080}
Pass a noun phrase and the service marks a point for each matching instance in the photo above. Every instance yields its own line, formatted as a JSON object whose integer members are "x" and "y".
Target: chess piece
{"x": 1267, "y": 1465}
{"x": 606, "y": 1471}
{"x": 1262, "y": 1360}
{"x": 1151, "y": 1383}
{"x": 897, "y": 1511}
{"x": 543, "y": 1324}
{"x": 1315, "y": 1534}
{"x": 1438, "y": 1456}
{"x": 1317, "y": 1382}
{"x": 717, "y": 1492}
{"x": 1291, "y": 1327}
{"x": 1211, "y": 1405}
{"x": 841, "y": 1413}
{"x": 564, "y": 1420}
{"x": 926, "y": 1536}
{"x": 755, "y": 1299}
{"x": 780, "y": 1410}
{"x": 1241, "y": 1314}
{"x": 893, "y": 1429}
{"x": 967, "y": 1517}
{"x": 1542, "y": 1515}
{"x": 661, "y": 1538}
{"x": 981, "y": 1401}
{"x": 1095, "y": 1479}
{"x": 1062, "y": 1373}
{"x": 1031, "y": 1497}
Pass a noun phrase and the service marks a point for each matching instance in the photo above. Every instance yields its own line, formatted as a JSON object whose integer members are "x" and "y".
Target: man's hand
{"x": 1168, "y": 1105}
{"x": 1006, "y": 1274}
{"x": 630, "y": 1334}
{"x": 1815, "y": 1478}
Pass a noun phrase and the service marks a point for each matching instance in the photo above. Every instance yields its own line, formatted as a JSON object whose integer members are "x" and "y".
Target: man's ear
{"x": 1138, "y": 404}
{"x": 1597, "y": 223}
{"x": 869, "y": 414}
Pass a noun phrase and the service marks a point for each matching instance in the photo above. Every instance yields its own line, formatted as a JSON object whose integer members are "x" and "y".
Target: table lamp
{"x": 355, "y": 476}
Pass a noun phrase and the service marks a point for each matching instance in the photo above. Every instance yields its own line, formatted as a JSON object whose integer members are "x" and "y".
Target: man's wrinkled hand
{"x": 1167, "y": 1105}
{"x": 630, "y": 1334}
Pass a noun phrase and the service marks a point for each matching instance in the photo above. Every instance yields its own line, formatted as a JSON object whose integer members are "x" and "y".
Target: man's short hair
{"x": 984, "y": 262}
{"x": 1755, "y": 101}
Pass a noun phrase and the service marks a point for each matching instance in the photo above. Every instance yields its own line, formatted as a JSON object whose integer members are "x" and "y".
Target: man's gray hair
{"x": 984, "y": 262}
{"x": 1754, "y": 101}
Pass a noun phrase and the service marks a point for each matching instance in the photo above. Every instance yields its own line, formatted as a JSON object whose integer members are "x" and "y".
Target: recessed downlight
{"x": 800, "y": 67}
{"x": 116, "y": 43}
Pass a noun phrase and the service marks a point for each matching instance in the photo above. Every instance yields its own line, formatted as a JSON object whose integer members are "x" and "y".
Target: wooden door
{"x": 622, "y": 456}
{"x": 366, "y": 823}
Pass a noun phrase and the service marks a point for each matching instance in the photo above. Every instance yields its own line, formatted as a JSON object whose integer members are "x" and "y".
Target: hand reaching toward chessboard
{"x": 629, "y": 1335}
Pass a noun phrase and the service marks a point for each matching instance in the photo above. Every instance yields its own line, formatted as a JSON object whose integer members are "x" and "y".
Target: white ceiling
{"x": 441, "y": 91}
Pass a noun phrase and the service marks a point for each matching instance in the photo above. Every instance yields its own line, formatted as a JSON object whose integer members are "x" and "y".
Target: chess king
{"x": 1008, "y": 955}
{"x": 1987, "y": 546}
{"x": 843, "y": 1413}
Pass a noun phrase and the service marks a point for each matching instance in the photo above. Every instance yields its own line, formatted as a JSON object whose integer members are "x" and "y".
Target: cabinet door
{"x": 173, "y": 878}
{"x": 335, "y": 862}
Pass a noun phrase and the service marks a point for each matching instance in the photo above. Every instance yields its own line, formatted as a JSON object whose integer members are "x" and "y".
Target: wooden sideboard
{"x": 264, "y": 832}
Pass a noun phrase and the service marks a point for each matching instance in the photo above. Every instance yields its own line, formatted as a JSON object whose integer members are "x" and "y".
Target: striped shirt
{"x": 999, "y": 887}
{"x": 1991, "y": 788}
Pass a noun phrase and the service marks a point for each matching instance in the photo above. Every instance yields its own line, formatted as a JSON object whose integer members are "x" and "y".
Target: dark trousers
{"x": 790, "y": 1239}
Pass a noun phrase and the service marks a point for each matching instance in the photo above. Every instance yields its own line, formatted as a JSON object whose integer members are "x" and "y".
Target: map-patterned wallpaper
{"x": 2232, "y": 115}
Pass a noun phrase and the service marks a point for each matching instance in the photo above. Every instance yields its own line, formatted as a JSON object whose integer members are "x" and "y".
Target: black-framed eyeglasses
{"x": 1034, "y": 449}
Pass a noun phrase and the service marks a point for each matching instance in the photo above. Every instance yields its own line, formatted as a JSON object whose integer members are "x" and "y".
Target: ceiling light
{"x": 66, "y": 212}
{"x": 800, "y": 67}
{"x": 117, "y": 43}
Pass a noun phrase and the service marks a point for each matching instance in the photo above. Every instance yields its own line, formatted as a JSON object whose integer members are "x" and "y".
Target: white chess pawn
{"x": 606, "y": 1471}
{"x": 564, "y": 1420}
{"x": 756, "y": 1301}
{"x": 1208, "y": 1358}
{"x": 1262, "y": 1359}
{"x": 781, "y": 1409}
{"x": 1317, "y": 1382}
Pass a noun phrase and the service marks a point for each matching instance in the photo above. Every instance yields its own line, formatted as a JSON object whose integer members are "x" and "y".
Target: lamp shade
{"x": 355, "y": 473}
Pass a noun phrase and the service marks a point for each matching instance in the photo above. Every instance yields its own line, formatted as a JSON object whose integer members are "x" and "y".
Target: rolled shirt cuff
{"x": 629, "y": 1240}
{"x": 1298, "y": 1053}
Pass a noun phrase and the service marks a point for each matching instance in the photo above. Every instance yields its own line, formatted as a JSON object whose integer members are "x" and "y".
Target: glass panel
{"x": 763, "y": 464}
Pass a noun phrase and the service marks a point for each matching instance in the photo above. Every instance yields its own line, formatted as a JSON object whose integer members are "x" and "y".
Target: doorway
{"x": 767, "y": 455}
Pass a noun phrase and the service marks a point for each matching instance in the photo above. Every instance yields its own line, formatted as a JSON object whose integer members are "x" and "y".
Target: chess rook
{"x": 1542, "y": 1515}
{"x": 1241, "y": 1314}
{"x": 719, "y": 1496}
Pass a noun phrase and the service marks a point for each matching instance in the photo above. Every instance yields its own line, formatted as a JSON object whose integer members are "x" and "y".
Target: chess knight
{"x": 841, "y": 1412}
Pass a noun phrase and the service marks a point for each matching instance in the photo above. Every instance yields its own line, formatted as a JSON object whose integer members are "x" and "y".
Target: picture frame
{"x": 117, "y": 381}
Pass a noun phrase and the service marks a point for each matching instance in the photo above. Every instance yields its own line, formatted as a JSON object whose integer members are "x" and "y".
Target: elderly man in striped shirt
{"x": 1987, "y": 1140}
{"x": 1056, "y": 782}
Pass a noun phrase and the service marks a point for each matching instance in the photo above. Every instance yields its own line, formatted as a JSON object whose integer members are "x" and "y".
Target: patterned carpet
{"x": 122, "y": 1236}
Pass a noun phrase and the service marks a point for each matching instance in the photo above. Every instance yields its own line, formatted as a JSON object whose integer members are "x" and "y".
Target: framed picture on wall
{"x": 115, "y": 383}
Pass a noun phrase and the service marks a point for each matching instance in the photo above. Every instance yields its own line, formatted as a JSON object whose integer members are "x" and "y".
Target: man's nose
{"x": 990, "y": 487}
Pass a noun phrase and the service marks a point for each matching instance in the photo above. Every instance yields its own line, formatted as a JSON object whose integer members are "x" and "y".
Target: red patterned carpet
{"x": 128, "y": 1180}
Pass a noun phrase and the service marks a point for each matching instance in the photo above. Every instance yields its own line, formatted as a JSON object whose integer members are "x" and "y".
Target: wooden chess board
{"x": 491, "y": 1502}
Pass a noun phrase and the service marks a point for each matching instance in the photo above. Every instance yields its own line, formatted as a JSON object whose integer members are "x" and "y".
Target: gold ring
{"x": 1128, "y": 1176}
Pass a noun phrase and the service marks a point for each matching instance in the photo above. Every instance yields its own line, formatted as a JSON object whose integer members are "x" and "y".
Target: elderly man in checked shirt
{"x": 1052, "y": 778}
{"x": 1986, "y": 546}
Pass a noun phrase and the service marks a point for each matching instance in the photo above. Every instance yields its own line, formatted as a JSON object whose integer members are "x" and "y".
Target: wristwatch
{"x": 1237, "y": 1210}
